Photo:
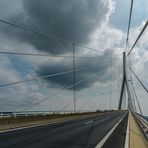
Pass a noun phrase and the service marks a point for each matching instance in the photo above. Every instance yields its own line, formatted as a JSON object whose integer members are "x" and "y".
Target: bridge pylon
{"x": 125, "y": 85}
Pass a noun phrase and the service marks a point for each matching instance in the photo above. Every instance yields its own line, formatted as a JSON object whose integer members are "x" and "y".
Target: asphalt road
{"x": 117, "y": 138}
{"x": 78, "y": 133}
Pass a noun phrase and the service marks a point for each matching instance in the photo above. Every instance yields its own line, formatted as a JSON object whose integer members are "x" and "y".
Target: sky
{"x": 98, "y": 24}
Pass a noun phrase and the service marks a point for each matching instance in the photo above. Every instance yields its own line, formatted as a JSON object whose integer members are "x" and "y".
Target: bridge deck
{"x": 136, "y": 137}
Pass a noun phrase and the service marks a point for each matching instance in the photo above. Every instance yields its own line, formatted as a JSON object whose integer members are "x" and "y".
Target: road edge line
{"x": 126, "y": 145}
{"x": 101, "y": 143}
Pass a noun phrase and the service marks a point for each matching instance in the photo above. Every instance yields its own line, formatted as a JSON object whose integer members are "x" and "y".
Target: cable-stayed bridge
{"x": 78, "y": 109}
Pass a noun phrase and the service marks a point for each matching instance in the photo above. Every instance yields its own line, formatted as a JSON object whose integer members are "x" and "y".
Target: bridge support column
{"x": 125, "y": 85}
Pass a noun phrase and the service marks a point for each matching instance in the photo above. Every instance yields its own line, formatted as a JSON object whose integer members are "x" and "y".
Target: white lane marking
{"x": 127, "y": 135}
{"x": 101, "y": 143}
{"x": 89, "y": 122}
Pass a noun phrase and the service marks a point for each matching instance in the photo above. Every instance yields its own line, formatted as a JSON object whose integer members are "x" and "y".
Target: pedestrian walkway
{"x": 136, "y": 137}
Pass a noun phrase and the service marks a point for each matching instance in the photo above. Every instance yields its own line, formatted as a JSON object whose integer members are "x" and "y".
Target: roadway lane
{"x": 117, "y": 139}
{"x": 78, "y": 133}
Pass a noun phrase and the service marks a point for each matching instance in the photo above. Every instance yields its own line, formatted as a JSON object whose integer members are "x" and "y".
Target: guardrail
{"x": 40, "y": 113}
{"x": 143, "y": 123}
{"x": 10, "y": 120}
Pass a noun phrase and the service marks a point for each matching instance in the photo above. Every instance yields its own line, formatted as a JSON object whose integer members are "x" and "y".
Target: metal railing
{"x": 40, "y": 113}
{"x": 143, "y": 123}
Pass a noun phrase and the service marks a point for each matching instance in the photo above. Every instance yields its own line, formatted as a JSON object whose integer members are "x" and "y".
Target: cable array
{"x": 139, "y": 80}
{"x": 43, "y": 55}
{"x": 129, "y": 23}
{"x": 48, "y": 76}
{"x": 142, "y": 31}
{"x": 61, "y": 92}
{"x": 48, "y": 36}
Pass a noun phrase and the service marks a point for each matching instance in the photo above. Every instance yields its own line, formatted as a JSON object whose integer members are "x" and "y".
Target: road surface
{"x": 78, "y": 133}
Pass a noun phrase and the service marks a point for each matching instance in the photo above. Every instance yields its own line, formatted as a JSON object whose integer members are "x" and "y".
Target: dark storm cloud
{"x": 71, "y": 20}
{"x": 68, "y": 19}
{"x": 99, "y": 70}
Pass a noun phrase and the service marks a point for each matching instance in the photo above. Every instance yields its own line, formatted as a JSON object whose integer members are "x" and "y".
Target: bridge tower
{"x": 125, "y": 86}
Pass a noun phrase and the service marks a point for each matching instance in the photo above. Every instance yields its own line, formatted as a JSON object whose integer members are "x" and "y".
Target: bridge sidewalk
{"x": 136, "y": 137}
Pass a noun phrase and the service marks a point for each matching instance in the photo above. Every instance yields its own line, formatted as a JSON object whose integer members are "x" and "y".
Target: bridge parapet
{"x": 143, "y": 123}
{"x": 136, "y": 137}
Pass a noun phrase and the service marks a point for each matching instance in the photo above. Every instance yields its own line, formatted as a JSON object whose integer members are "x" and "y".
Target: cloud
{"x": 68, "y": 19}
{"x": 95, "y": 66}
{"x": 120, "y": 17}
{"x": 86, "y": 21}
